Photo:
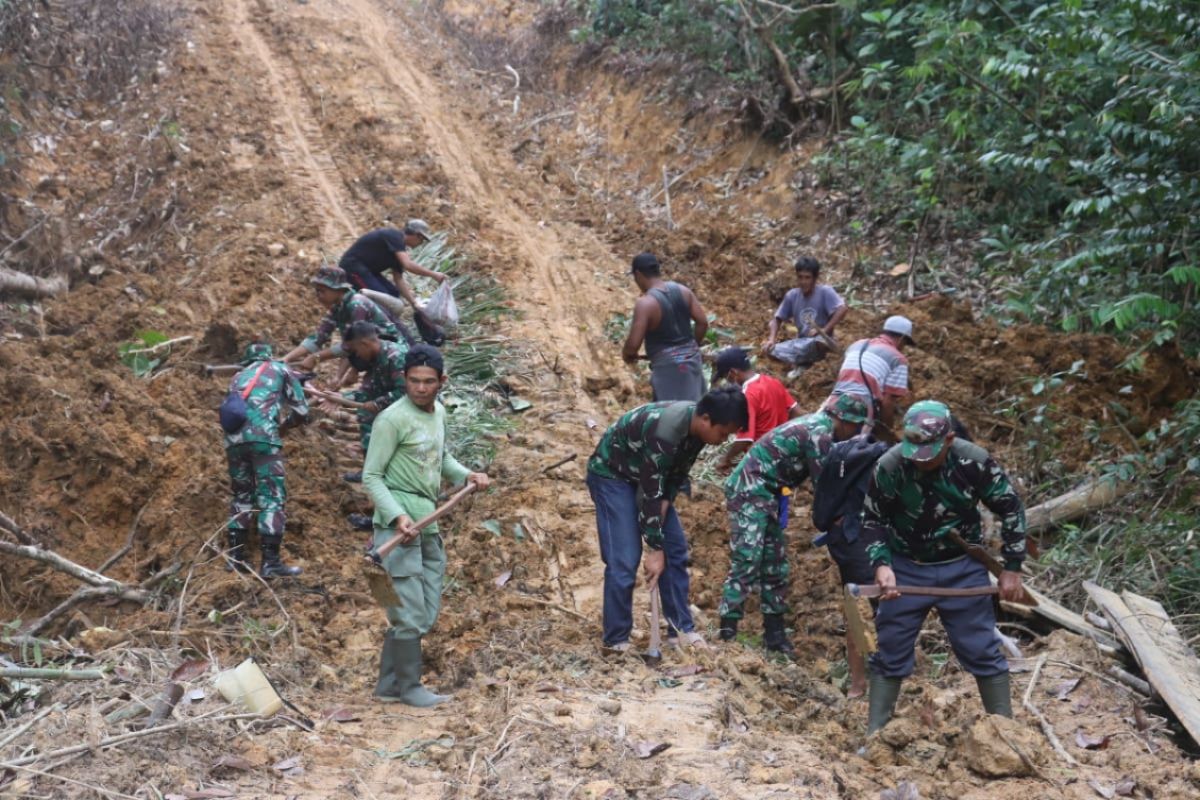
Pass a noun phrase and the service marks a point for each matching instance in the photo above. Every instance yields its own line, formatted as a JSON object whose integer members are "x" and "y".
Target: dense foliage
{"x": 1056, "y": 137}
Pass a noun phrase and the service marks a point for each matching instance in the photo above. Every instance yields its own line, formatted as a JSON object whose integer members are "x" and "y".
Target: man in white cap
{"x": 384, "y": 249}
{"x": 877, "y": 370}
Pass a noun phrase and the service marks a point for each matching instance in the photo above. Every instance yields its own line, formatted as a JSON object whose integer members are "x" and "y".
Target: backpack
{"x": 842, "y": 485}
{"x": 233, "y": 411}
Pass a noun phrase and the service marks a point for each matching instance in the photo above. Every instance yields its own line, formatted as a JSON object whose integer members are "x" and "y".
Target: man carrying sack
{"x": 406, "y": 462}
{"x": 269, "y": 400}
{"x": 923, "y": 491}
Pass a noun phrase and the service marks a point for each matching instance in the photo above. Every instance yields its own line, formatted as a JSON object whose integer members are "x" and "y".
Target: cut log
{"x": 13, "y": 282}
{"x": 1170, "y": 666}
{"x": 1074, "y": 504}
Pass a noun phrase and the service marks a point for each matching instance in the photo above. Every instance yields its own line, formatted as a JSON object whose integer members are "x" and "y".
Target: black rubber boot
{"x": 408, "y": 676}
{"x": 273, "y": 566}
{"x": 360, "y": 522}
{"x": 775, "y": 638}
{"x": 728, "y": 629}
{"x": 235, "y": 559}
{"x": 996, "y": 694}
{"x": 881, "y": 700}
{"x": 388, "y": 688}
{"x": 352, "y": 477}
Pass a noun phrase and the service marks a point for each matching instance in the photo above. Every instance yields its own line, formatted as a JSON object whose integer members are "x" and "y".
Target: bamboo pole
{"x": 40, "y": 674}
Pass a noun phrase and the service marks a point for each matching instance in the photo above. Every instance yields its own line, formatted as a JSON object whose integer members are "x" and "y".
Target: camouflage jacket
{"x": 383, "y": 383}
{"x": 276, "y": 402}
{"x": 650, "y": 448}
{"x": 353, "y": 307}
{"x": 910, "y": 512}
{"x": 783, "y": 456}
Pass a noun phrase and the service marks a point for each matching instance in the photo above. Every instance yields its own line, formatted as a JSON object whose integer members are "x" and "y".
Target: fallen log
{"x": 1088, "y": 497}
{"x": 13, "y": 282}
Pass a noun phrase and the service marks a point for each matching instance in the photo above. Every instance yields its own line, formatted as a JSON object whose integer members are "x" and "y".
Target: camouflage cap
{"x": 848, "y": 408}
{"x": 925, "y": 428}
{"x": 257, "y": 351}
{"x": 333, "y": 277}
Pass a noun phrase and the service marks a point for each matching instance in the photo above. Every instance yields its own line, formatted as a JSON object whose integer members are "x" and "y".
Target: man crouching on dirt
{"x": 923, "y": 489}
{"x": 781, "y": 458}
{"x": 640, "y": 464}
{"x": 406, "y": 462}
{"x": 274, "y": 401}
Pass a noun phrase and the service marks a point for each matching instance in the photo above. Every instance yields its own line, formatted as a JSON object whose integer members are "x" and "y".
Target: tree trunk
{"x": 13, "y": 282}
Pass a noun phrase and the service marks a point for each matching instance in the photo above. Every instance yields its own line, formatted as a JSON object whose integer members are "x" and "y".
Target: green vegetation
{"x": 140, "y": 356}
{"x": 476, "y": 357}
{"x": 1054, "y": 139}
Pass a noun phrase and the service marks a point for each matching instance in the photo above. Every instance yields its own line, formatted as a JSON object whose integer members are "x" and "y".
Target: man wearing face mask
{"x": 381, "y": 363}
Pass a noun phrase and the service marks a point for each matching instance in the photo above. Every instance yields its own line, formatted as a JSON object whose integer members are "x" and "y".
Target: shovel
{"x": 378, "y": 579}
{"x": 653, "y": 656}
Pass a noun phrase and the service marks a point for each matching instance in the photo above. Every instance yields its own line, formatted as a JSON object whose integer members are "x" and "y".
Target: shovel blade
{"x": 380, "y": 584}
{"x": 652, "y": 658}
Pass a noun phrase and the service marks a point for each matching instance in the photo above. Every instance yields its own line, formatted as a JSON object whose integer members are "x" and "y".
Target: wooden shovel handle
{"x": 378, "y": 554}
{"x": 655, "y": 622}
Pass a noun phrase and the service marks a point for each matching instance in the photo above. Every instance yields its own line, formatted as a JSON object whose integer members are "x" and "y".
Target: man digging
{"x": 641, "y": 463}
{"x": 815, "y": 309}
{"x": 343, "y": 306}
{"x": 382, "y": 366}
{"x": 405, "y": 465}
{"x": 877, "y": 371}
{"x": 672, "y": 323}
{"x": 922, "y": 491}
{"x": 781, "y": 459}
{"x": 274, "y": 401}
{"x": 768, "y": 402}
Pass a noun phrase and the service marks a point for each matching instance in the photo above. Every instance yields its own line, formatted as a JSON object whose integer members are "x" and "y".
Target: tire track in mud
{"x": 301, "y": 144}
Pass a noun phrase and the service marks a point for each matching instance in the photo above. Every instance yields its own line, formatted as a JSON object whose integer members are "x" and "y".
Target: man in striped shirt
{"x": 876, "y": 369}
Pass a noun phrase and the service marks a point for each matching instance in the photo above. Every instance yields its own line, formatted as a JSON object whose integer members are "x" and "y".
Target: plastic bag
{"x": 441, "y": 308}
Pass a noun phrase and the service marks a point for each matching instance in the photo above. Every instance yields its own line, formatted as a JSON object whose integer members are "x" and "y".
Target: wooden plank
{"x": 1167, "y": 662}
{"x": 1113, "y": 607}
{"x": 1063, "y": 617}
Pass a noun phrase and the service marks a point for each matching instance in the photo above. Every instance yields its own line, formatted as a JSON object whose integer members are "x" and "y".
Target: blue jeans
{"x": 621, "y": 550}
{"x": 970, "y": 622}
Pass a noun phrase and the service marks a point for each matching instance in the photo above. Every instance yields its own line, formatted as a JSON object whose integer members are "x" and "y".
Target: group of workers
{"x": 402, "y": 430}
{"x": 893, "y": 523}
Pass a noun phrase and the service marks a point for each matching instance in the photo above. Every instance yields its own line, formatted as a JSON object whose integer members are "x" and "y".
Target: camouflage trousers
{"x": 366, "y": 420}
{"x": 758, "y": 556}
{"x": 256, "y": 476}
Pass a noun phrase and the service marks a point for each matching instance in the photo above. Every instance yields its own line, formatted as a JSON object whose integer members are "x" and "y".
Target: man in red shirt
{"x": 769, "y": 402}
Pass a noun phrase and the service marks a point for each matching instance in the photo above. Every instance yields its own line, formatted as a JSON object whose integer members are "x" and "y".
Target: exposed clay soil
{"x": 306, "y": 123}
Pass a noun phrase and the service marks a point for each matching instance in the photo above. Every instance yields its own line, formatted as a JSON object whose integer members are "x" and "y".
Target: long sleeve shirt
{"x": 407, "y": 461}
{"x": 353, "y": 307}
{"x": 910, "y": 512}
{"x": 276, "y": 402}
{"x": 649, "y": 447}
{"x": 783, "y": 457}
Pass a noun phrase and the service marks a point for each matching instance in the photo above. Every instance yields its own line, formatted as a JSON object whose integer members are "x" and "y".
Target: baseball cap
{"x": 333, "y": 277}
{"x": 925, "y": 428}
{"x": 900, "y": 326}
{"x": 730, "y": 358}
{"x": 849, "y": 408}
{"x": 645, "y": 262}
{"x": 419, "y": 227}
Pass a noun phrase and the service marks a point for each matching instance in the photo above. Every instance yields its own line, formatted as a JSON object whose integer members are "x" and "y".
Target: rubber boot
{"x": 273, "y": 566}
{"x": 235, "y": 559}
{"x": 352, "y": 477}
{"x": 387, "y": 688}
{"x": 408, "y": 676}
{"x": 775, "y": 638}
{"x": 360, "y": 522}
{"x": 996, "y": 694}
{"x": 728, "y": 630}
{"x": 881, "y": 700}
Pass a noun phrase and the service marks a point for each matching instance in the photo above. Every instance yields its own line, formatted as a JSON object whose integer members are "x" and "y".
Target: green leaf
{"x": 492, "y": 526}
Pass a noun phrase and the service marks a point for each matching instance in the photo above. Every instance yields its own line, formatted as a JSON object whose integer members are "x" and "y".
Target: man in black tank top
{"x": 671, "y": 322}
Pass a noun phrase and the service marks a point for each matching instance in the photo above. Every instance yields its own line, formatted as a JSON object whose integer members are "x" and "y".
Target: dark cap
{"x": 645, "y": 262}
{"x": 730, "y": 358}
{"x": 424, "y": 355}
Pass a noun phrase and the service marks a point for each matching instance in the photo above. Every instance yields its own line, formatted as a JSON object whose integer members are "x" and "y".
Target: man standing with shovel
{"x": 406, "y": 462}
{"x": 641, "y": 463}
{"x": 923, "y": 495}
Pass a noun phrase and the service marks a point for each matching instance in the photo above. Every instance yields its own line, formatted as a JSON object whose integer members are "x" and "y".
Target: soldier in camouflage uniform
{"x": 345, "y": 306}
{"x": 640, "y": 464}
{"x": 924, "y": 487}
{"x": 782, "y": 458}
{"x": 255, "y": 454}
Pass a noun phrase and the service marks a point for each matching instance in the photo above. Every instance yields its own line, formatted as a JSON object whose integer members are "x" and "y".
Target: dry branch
{"x": 7, "y": 523}
{"x": 165, "y": 704}
{"x": 1047, "y": 728}
{"x": 160, "y": 346}
{"x": 13, "y": 282}
{"x": 61, "y": 564}
{"x": 37, "y": 674}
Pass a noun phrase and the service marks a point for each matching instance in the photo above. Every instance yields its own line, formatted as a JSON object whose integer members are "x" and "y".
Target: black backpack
{"x": 842, "y": 485}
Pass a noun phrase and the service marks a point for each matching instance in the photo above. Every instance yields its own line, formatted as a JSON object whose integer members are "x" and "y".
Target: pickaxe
{"x": 980, "y": 554}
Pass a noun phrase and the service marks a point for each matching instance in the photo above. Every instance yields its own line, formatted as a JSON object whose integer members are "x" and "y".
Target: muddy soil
{"x": 306, "y": 123}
